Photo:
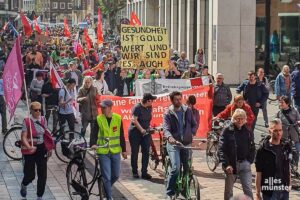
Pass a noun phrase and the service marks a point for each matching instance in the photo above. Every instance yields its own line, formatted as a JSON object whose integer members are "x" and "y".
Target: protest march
{"x": 87, "y": 92}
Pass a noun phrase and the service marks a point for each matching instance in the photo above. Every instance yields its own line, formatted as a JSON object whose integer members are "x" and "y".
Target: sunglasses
{"x": 37, "y": 110}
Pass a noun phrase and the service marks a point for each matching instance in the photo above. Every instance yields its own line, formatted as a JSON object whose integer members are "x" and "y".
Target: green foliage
{"x": 110, "y": 8}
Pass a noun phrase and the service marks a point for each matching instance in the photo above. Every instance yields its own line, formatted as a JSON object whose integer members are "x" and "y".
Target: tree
{"x": 110, "y": 8}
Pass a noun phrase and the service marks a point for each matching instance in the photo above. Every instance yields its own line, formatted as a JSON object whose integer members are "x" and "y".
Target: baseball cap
{"x": 192, "y": 66}
{"x": 149, "y": 96}
{"x": 71, "y": 81}
{"x": 106, "y": 103}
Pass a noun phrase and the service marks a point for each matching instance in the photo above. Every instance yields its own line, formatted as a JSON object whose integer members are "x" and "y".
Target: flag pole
{"x": 27, "y": 102}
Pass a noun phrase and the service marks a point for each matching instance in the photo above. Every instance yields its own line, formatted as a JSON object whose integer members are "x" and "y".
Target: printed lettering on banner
{"x": 144, "y": 47}
{"x": 204, "y": 94}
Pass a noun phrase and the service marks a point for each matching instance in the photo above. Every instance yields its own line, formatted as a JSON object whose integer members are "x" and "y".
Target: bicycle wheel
{"x": 75, "y": 182}
{"x": 212, "y": 158}
{"x": 294, "y": 164}
{"x": 62, "y": 143}
{"x": 193, "y": 188}
{"x": 11, "y": 143}
{"x": 272, "y": 95}
{"x": 153, "y": 162}
{"x": 167, "y": 170}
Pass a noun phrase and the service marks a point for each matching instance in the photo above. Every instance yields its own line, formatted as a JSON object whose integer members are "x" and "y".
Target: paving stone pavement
{"x": 212, "y": 184}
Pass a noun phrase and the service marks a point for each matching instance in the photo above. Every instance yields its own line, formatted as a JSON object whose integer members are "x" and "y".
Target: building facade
{"x": 28, "y": 5}
{"x": 9, "y": 9}
{"x": 232, "y": 33}
{"x": 59, "y": 9}
{"x": 225, "y": 30}
{"x": 283, "y": 34}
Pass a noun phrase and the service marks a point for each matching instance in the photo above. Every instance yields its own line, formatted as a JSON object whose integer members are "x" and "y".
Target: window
{"x": 70, "y": 6}
{"x": 62, "y": 5}
{"x": 54, "y": 5}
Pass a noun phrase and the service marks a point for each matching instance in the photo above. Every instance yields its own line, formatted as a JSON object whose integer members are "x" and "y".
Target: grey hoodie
{"x": 171, "y": 125}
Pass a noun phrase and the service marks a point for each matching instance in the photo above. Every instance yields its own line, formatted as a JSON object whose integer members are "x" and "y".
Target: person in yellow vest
{"x": 109, "y": 126}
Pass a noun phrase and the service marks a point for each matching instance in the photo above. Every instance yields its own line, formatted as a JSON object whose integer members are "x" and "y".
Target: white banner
{"x": 161, "y": 86}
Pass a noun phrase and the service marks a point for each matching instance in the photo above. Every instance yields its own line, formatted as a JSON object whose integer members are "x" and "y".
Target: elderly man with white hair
{"x": 222, "y": 95}
{"x": 236, "y": 152}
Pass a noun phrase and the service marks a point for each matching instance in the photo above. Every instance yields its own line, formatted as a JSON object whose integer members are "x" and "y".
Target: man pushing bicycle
{"x": 109, "y": 127}
{"x": 179, "y": 126}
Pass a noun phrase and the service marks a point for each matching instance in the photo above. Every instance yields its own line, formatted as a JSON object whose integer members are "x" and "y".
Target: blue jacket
{"x": 280, "y": 89}
{"x": 171, "y": 125}
{"x": 295, "y": 85}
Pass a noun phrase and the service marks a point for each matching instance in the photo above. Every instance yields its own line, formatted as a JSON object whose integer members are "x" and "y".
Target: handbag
{"x": 48, "y": 140}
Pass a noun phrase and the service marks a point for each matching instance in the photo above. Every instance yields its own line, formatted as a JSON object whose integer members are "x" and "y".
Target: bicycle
{"x": 212, "y": 148}
{"x": 11, "y": 145}
{"x": 294, "y": 155}
{"x": 77, "y": 183}
{"x": 12, "y": 142}
{"x": 187, "y": 183}
{"x": 156, "y": 158}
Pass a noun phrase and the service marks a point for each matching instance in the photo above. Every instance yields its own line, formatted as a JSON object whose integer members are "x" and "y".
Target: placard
{"x": 144, "y": 47}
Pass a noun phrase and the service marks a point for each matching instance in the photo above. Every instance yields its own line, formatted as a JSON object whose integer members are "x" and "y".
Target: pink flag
{"x": 13, "y": 77}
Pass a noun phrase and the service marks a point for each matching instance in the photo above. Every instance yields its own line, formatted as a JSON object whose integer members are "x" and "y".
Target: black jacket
{"x": 121, "y": 83}
{"x": 261, "y": 96}
{"x": 228, "y": 149}
{"x": 265, "y": 162}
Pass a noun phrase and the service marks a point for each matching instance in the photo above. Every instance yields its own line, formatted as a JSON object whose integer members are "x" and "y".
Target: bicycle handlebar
{"x": 180, "y": 145}
{"x": 79, "y": 148}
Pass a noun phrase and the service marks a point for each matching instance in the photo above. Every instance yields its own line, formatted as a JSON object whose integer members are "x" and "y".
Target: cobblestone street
{"x": 212, "y": 184}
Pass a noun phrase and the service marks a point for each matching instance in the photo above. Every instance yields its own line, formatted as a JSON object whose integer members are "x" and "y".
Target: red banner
{"x": 204, "y": 94}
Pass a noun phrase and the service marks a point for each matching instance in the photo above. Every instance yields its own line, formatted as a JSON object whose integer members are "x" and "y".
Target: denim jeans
{"x": 177, "y": 156}
{"x": 245, "y": 176}
{"x": 110, "y": 170}
{"x": 277, "y": 195}
{"x": 265, "y": 112}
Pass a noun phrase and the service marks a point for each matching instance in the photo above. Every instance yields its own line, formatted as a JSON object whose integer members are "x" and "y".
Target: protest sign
{"x": 161, "y": 86}
{"x": 144, "y": 47}
{"x": 204, "y": 94}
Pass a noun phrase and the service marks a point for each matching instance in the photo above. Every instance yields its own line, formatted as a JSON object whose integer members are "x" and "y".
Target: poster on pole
{"x": 144, "y": 47}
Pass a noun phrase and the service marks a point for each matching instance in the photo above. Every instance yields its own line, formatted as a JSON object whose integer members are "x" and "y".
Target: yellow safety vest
{"x": 111, "y": 132}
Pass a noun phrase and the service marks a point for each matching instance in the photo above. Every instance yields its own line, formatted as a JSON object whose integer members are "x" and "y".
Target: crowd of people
{"x": 93, "y": 72}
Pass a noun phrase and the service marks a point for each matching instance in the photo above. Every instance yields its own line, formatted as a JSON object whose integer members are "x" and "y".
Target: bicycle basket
{"x": 74, "y": 150}
{"x": 69, "y": 148}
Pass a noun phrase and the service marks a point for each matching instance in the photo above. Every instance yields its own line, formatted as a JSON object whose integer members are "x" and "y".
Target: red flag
{"x": 36, "y": 26}
{"x": 47, "y": 31}
{"x": 26, "y": 25}
{"x": 134, "y": 20}
{"x": 13, "y": 77}
{"x": 78, "y": 48}
{"x": 99, "y": 29}
{"x": 87, "y": 39}
{"x": 66, "y": 29}
{"x": 55, "y": 78}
